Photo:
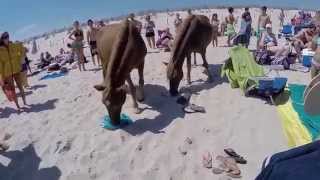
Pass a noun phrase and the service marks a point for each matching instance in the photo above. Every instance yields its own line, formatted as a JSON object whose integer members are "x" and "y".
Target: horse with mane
{"x": 194, "y": 36}
{"x": 121, "y": 49}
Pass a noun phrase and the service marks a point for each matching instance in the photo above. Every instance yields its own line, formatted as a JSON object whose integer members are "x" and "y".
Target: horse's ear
{"x": 100, "y": 87}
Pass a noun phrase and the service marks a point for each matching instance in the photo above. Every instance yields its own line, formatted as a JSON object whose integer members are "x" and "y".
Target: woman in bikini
{"x": 150, "y": 35}
{"x": 315, "y": 67}
{"x": 77, "y": 44}
{"x": 269, "y": 42}
{"x": 230, "y": 21}
{"x": 11, "y": 55}
{"x": 215, "y": 28}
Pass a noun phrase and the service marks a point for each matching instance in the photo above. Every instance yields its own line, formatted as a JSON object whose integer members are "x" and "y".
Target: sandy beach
{"x": 66, "y": 141}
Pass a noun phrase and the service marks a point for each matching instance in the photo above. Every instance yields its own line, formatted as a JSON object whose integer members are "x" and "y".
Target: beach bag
{"x": 54, "y": 67}
{"x": 263, "y": 57}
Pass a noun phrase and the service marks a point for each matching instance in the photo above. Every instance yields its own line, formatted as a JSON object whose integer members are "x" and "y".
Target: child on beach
{"x": 92, "y": 41}
{"x": 215, "y": 29}
{"x": 230, "y": 30}
{"x": 11, "y": 55}
{"x": 77, "y": 45}
{"x": 150, "y": 34}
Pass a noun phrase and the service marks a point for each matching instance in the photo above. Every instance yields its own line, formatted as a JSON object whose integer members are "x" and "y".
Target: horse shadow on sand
{"x": 200, "y": 85}
{"x": 158, "y": 99}
{"x": 25, "y": 165}
{"x": 40, "y": 107}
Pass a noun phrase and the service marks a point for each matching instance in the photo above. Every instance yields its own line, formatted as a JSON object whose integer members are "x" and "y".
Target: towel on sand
{"x": 124, "y": 121}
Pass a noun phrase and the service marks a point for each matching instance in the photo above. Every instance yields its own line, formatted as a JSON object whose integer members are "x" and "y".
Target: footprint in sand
{"x": 185, "y": 147}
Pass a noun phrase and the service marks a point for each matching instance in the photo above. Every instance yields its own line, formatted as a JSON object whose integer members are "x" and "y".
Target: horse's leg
{"x": 206, "y": 65}
{"x": 141, "y": 82}
{"x": 195, "y": 58}
{"x": 189, "y": 68}
{"x": 133, "y": 95}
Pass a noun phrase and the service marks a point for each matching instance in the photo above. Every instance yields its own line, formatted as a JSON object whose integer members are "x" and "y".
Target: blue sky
{"x": 24, "y": 18}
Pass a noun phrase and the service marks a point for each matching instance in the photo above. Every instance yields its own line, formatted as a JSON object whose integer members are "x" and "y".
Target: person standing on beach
{"x": 281, "y": 17}
{"x": 215, "y": 29}
{"x": 137, "y": 23}
{"x": 149, "y": 27}
{"x": 77, "y": 45}
{"x": 263, "y": 20}
{"x": 230, "y": 21}
{"x": 11, "y": 55}
{"x": 177, "y": 22}
{"x": 247, "y": 14}
{"x": 92, "y": 41}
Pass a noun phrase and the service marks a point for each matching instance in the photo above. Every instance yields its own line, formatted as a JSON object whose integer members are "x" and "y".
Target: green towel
{"x": 312, "y": 123}
{"x": 240, "y": 68}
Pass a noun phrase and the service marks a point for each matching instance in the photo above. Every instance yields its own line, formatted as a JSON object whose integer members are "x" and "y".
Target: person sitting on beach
{"x": 230, "y": 21}
{"x": 269, "y": 42}
{"x": 48, "y": 57}
{"x": 315, "y": 67}
{"x": 92, "y": 41}
{"x": 177, "y": 22}
{"x": 303, "y": 40}
{"x": 215, "y": 29}
{"x": 11, "y": 55}
{"x": 165, "y": 40}
{"x": 263, "y": 20}
{"x": 150, "y": 35}
{"x": 101, "y": 24}
{"x": 77, "y": 44}
{"x": 137, "y": 23}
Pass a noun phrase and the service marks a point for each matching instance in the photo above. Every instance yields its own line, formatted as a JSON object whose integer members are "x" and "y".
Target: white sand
{"x": 63, "y": 124}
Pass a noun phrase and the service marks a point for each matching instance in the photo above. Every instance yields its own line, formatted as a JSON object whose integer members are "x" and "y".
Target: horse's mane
{"x": 179, "y": 44}
{"x": 116, "y": 69}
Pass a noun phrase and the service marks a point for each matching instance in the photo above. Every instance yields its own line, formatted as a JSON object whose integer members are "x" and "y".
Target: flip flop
{"x": 192, "y": 108}
{"x": 232, "y": 168}
{"x": 207, "y": 160}
{"x": 124, "y": 121}
{"x": 239, "y": 159}
{"x": 3, "y": 147}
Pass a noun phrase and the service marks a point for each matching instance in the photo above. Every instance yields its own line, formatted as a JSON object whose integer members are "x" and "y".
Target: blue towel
{"x": 53, "y": 75}
{"x": 124, "y": 121}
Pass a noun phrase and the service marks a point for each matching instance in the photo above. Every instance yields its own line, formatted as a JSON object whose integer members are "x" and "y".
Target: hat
{"x": 268, "y": 26}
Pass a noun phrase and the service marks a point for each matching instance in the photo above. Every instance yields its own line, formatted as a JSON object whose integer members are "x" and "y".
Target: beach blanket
{"x": 10, "y": 59}
{"x": 299, "y": 127}
{"x": 240, "y": 68}
{"x": 53, "y": 75}
{"x": 295, "y": 164}
{"x": 124, "y": 121}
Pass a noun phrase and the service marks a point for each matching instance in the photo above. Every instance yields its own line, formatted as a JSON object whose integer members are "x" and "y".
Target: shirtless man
{"x": 92, "y": 41}
{"x": 263, "y": 20}
{"x": 303, "y": 40}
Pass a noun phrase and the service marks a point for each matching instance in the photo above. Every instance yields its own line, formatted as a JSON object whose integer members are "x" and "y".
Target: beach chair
{"x": 287, "y": 31}
{"x": 242, "y": 71}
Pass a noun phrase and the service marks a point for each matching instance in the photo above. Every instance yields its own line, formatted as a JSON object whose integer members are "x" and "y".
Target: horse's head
{"x": 113, "y": 99}
{"x": 175, "y": 75}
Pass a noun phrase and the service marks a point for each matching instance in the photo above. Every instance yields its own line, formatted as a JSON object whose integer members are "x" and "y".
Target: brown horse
{"x": 194, "y": 36}
{"x": 121, "y": 49}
